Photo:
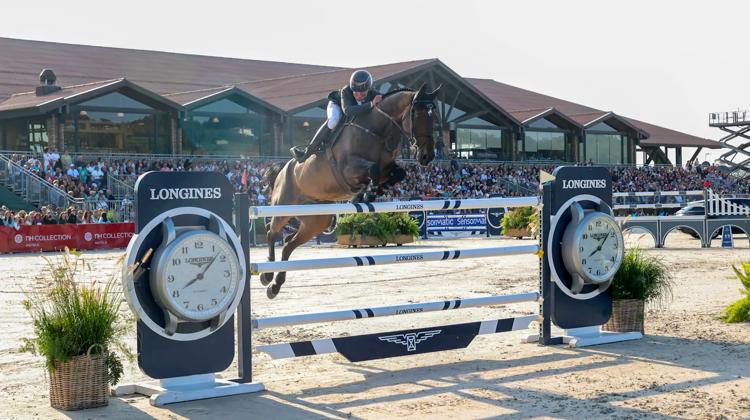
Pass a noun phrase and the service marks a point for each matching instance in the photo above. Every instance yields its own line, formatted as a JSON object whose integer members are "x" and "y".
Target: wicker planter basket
{"x": 517, "y": 233}
{"x": 79, "y": 383}
{"x": 362, "y": 240}
{"x": 627, "y": 315}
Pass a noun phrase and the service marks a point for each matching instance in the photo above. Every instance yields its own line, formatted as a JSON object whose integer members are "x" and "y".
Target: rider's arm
{"x": 350, "y": 106}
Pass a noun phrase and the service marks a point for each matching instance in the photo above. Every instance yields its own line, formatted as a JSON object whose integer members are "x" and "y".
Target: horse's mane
{"x": 399, "y": 90}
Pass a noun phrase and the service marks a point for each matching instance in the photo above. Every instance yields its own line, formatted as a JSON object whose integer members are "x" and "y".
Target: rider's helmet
{"x": 361, "y": 81}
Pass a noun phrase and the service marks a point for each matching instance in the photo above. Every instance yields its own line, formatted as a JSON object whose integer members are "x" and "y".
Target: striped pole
{"x": 380, "y": 311}
{"x": 321, "y": 263}
{"x": 360, "y": 348}
{"x": 390, "y": 207}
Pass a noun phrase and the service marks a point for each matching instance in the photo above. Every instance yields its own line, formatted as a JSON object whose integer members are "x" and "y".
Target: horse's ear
{"x": 434, "y": 92}
{"x": 420, "y": 92}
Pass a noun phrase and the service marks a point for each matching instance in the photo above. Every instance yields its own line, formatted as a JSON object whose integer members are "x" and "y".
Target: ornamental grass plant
{"x": 75, "y": 315}
{"x": 384, "y": 226}
{"x": 519, "y": 218}
{"x": 643, "y": 277}
{"x": 739, "y": 311}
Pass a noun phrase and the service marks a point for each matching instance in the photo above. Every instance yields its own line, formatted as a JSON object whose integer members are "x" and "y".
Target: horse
{"x": 359, "y": 162}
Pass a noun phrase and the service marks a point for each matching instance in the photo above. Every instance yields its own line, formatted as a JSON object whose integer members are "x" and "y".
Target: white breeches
{"x": 334, "y": 114}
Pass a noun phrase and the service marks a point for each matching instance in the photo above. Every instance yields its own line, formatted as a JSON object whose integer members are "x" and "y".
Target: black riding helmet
{"x": 361, "y": 81}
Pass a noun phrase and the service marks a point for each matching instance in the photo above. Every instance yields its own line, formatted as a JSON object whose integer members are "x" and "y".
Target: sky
{"x": 670, "y": 63}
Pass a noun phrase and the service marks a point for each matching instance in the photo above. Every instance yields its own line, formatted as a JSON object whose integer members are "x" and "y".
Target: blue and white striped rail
{"x": 390, "y": 207}
{"x": 360, "y": 348}
{"x": 391, "y": 310}
{"x": 341, "y": 262}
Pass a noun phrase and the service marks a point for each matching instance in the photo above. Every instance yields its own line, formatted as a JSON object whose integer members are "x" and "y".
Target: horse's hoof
{"x": 266, "y": 279}
{"x": 270, "y": 292}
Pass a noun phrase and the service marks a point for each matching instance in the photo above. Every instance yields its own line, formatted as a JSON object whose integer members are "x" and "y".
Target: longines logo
{"x": 409, "y": 257}
{"x": 410, "y": 340}
{"x": 185, "y": 193}
{"x": 199, "y": 261}
{"x": 409, "y": 206}
{"x": 569, "y": 184}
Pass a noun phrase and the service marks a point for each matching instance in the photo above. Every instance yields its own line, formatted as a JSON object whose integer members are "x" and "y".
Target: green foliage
{"x": 643, "y": 277}
{"x": 740, "y": 311}
{"x": 383, "y": 226}
{"x": 71, "y": 314}
{"x": 534, "y": 224}
{"x": 518, "y": 218}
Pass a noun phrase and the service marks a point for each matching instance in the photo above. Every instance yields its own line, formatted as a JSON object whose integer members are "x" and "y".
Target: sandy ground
{"x": 689, "y": 365}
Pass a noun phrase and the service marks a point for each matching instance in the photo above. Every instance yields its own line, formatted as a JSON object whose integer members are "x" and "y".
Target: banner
{"x": 456, "y": 222}
{"x": 56, "y": 237}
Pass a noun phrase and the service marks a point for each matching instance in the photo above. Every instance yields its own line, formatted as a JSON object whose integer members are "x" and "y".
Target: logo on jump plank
{"x": 410, "y": 340}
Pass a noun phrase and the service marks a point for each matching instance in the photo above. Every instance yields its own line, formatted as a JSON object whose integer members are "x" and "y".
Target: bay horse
{"x": 359, "y": 162}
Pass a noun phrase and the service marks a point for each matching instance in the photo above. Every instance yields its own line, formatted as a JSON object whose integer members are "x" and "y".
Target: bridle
{"x": 423, "y": 104}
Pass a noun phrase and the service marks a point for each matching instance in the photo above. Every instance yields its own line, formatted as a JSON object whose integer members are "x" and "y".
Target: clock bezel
{"x": 554, "y": 228}
{"x": 575, "y": 254}
{"x": 160, "y": 284}
{"x": 135, "y": 244}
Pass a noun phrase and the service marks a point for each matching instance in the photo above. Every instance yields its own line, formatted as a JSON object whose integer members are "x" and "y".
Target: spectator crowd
{"x": 91, "y": 179}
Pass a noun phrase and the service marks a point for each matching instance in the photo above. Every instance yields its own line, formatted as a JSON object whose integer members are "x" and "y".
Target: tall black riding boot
{"x": 318, "y": 140}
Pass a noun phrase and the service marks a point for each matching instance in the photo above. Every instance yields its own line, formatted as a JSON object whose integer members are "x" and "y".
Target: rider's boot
{"x": 300, "y": 154}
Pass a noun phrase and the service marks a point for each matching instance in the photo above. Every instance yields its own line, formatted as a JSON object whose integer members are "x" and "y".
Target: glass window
{"x": 477, "y": 121}
{"x": 223, "y": 106}
{"x": 227, "y": 127}
{"x": 602, "y": 126}
{"x": 545, "y": 145}
{"x": 114, "y": 100}
{"x": 316, "y": 112}
{"x": 543, "y": 123}
{"x": 478, "y": 143}
{"x": 605, "y": 148}
{"x": 116, "y": 132}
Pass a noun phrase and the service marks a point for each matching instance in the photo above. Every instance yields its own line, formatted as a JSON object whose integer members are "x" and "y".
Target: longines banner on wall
{"x": 56, "y": 237}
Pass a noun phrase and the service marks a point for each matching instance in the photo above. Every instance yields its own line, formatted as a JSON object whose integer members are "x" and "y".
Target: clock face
{"x": 198, "y": 275}
{"x": 600, "y": 247}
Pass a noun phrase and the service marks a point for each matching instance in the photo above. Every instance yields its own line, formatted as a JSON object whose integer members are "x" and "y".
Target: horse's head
{"x": 422, "y": 124}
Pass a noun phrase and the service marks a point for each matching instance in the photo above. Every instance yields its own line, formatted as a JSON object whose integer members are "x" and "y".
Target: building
{"x": 113, "y": 100}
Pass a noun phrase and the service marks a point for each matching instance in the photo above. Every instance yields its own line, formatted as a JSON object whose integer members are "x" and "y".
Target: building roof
{"x": 523, "y": 103}
{"x": 292, "y": 92}
{"x": 162, "y": 72}
{"x": 285, "y": 87}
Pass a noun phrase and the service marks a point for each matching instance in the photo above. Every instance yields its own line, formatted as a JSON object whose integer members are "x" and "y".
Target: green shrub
{"x": 518, "y": 218}
{"x": 740, "y": 311}
{"x": 643, "y": 277}
{"x": 383, "y": 226}
{"x": 70, "y": 314}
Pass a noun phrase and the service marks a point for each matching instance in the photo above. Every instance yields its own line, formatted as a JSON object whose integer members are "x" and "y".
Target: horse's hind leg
{"x": 272, "y": 233}
{"x": 308, "y": 228}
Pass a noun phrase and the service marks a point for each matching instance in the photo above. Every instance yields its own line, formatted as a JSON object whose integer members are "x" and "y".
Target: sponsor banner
{"x": 456, "y": 222}
{"x": 56, "y": 237}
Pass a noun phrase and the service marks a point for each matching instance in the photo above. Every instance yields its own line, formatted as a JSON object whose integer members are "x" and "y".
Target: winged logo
{"x": 410, "y": 340}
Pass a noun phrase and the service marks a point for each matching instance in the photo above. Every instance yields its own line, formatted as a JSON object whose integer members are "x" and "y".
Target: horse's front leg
{"x": 393, "y": 175}
{"x": 363, "y": 173}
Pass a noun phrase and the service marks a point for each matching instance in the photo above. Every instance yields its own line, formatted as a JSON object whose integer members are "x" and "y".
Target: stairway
{"x": 9, "y": 199}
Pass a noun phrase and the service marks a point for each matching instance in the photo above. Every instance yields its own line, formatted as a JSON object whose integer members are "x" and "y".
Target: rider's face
{"x": 360, "y": 96}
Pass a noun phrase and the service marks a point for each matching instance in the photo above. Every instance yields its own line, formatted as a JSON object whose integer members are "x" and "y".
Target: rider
{"x": 352, "y": 99}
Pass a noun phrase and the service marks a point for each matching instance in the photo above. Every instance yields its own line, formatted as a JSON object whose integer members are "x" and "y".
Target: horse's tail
{"x": 269, "y": 178}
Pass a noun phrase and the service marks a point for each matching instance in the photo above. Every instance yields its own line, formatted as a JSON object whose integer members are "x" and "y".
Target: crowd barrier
{"x": 38, "y": 238}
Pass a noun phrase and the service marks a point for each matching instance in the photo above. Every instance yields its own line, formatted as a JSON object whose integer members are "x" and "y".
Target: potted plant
{"x": 640, "y": 279}
{"x": 515, "y": 223}
{"x": 78, "y": 330}
{"x": 376, "y": 229}
{"x": 739, "y": 311}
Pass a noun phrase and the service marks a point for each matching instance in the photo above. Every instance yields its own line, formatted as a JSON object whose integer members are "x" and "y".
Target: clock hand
{"x": 599, "y": 248}
{"x": 200, "y": 275}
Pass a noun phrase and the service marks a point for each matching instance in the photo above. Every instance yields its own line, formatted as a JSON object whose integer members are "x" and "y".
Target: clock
{"x": 197, "y": 275}
{"x": 194, "y": 280}
{"x": 592, "y": 247}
